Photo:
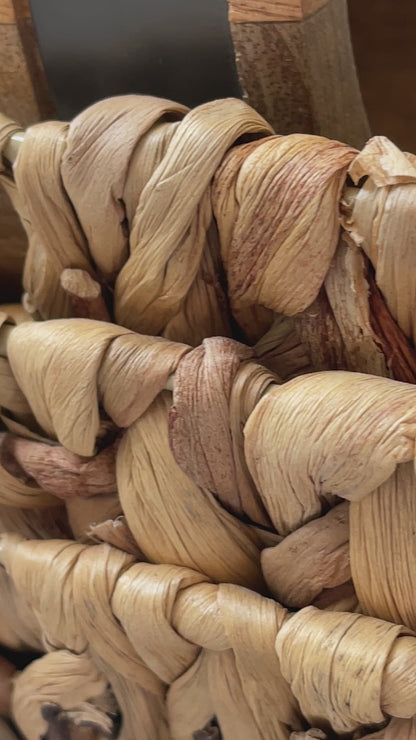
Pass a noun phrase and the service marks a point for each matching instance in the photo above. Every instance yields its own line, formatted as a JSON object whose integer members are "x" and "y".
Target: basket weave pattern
{"x": 207, "y": 466}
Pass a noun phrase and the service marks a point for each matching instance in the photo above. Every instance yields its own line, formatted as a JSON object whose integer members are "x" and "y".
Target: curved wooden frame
{"x": 24, "y": 93}
{"x": 296, "y": 66}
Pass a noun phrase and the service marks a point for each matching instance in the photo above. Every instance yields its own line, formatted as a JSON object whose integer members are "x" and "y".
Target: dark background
{"x": 182, "y": 49}
{"x": 384, "y": 39}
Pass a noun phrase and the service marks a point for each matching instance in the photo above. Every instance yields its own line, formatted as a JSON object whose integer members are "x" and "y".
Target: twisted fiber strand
{"x": 170, "y": 222}
{"x": 119, "y": 605}
{"x": 60, "y": 680}
{"x": 352, "y": 431}
{"x": 151, "y": 206}
{"x": 122, "y": 131}
{"x": 323, "y": 302}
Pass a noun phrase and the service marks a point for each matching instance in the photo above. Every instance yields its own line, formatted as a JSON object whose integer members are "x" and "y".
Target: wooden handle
{"x": 261, "y": 11}
{"x": 24, "y": 93}
{"x": 296, "y": 66}
{"x": 7, "y": 13}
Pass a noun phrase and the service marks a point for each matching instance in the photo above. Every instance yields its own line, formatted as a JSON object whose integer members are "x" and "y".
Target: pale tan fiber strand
{"x": 383, "y": 549}
{"x": 313, "y": 558}
{"x": 148, "y": 156}
{"x": 140, "y": 608}
{"x": 382, "y": 222}
{"x": 175, "y": 217}
{"x": 349, "y": 436}
{"x": 62, "y": 678}
{"x": 210, "y": 471}
{"x": 100, "y": 141}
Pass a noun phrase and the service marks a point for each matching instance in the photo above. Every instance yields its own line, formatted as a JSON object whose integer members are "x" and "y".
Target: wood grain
{"x": 7, "y": 14}
{"x": 259, "y": 11}
{"x": 301, "y": 76}
{"x": 24, "y": 96}
{"x": 13, "y": 10}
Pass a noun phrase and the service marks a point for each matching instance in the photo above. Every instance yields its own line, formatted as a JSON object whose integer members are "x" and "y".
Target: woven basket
{"x": 207, "y": 504}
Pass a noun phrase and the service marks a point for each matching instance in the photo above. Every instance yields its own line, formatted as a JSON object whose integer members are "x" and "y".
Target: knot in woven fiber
{"x": 276, "y": 205}
{"x": 217, "y": 635}
{"x": 149, "y": 207}
{"x": 40, "y": 703}
{"x": 310, "y": 560}
{"x": 54, "y": 608}
{"x": 335, "y": 677}
{"x": 155, "y": 495}
{"x": 144, "y": 206}
{"x": 215, "y": 390}
{"x": 84, "y": 365}
{"x": 178, "y": 198}
{"x": 350, "y": 435}
{"x": 187, "y": 225}
{"x": 351, "y": 432}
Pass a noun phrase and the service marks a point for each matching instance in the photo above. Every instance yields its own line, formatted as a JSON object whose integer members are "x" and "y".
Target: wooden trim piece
{"x": 301, "y": 75}
{"x": 311, "y": 6}
{"x": 7, "y": 14}
{"x": 266, "y": 11}
{"x": 12, "y": 11}
{"x": 21, "y": 8}
{"x": 24, "y": 92}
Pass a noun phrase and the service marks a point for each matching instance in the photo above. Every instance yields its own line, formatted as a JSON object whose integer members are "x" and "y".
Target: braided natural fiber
{"x": 222, "y": 465}
{"x": 163, "y": 611}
